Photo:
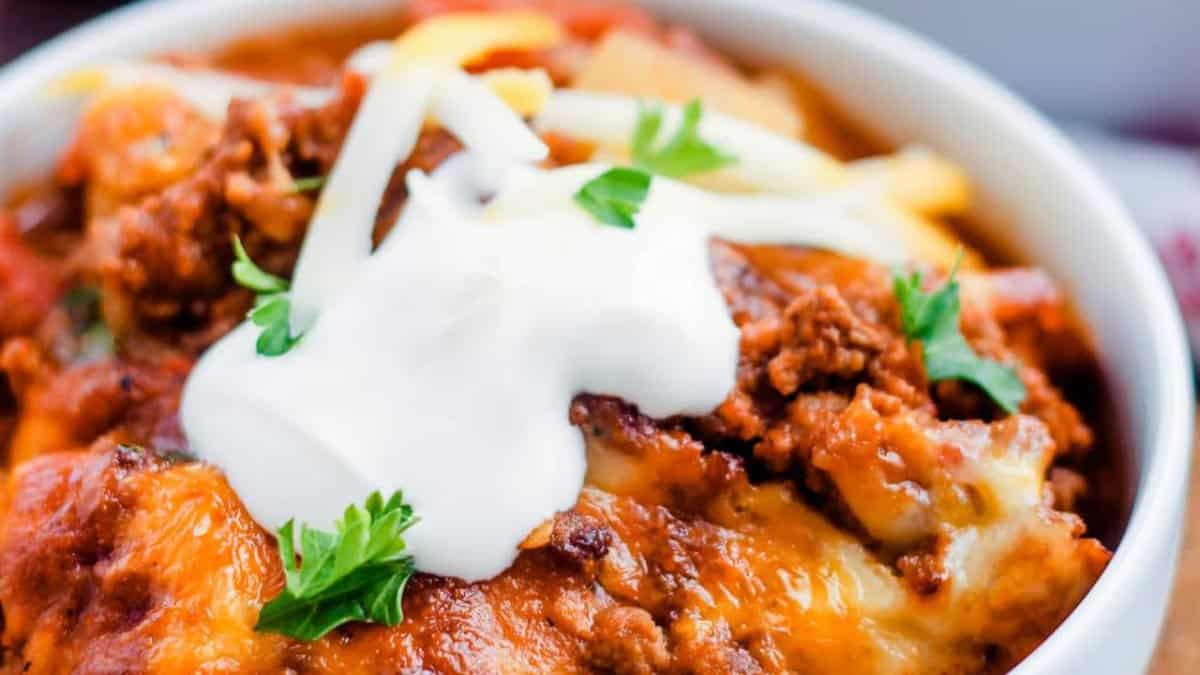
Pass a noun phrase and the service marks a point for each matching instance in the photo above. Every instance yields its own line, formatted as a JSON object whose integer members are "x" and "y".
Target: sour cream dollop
{"x": 445, "y": 362}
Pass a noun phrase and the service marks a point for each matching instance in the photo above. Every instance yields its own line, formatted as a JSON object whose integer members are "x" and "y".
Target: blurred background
{"x": 25, "y": 23}
{"x": 1130, "y": 65}
{"x": 1122, "y": 77}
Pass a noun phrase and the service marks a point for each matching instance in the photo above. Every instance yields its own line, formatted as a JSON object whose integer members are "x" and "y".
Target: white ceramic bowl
{"x": 1043, "y": 201}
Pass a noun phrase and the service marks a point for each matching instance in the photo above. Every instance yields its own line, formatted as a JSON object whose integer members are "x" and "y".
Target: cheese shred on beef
{"x": 836, "y": 513}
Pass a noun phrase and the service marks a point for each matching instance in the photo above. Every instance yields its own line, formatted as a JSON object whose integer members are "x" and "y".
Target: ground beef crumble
{"x": 675, "y": 557}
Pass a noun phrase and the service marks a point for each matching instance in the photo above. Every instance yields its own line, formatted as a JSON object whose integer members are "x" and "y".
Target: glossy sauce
{"x": 485, "y": 320}
{"x": 685, "y": 551}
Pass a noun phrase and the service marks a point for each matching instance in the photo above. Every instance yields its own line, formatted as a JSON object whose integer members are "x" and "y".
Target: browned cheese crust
{"x": 836, "y": 514}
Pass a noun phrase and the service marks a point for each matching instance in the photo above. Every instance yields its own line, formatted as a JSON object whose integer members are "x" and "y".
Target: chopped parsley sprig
{"x": 933, "y": 319}
{"x": 272, "y": 308}
{"x": 615, "y": 196}
{"x": 307, "y": 184}
{"x": 96, "y": 341}
{"x": 356, "y": 573}
{"x": 685, "y": 153}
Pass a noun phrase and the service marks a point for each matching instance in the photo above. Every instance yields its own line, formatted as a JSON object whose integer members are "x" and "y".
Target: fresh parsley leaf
{"x": 250, "y": 275}
{"x": 685, "y": 153}
{"x": 276, "y": 339}
{"x": 81, "y": 302}
{"x": 307, "y": 184}
{"x": 933, "y": 319}
{"x": 615, "y": 196}
{"x": 272, "y": 308}
{"x": 96, "y": 341}
{"x": 356, "y": 573}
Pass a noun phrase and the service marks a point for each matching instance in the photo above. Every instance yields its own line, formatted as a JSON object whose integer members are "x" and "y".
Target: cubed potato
{"x": 624, "y": 63}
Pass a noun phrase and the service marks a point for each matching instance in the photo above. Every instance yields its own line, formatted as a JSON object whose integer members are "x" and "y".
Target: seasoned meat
{"x": 875, "y": 537}
{"x": 29, "y": 284}
{"x": 105, "y": 552}
{"x": 836, "y": 513}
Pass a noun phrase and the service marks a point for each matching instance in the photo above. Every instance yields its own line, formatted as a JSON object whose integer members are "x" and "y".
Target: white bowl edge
{"x": 853, "y": 55}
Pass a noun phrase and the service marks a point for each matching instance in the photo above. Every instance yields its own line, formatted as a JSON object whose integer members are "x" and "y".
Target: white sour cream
{"x": 444, "y": 363}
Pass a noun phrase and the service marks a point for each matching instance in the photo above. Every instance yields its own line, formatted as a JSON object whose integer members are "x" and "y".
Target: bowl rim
{"x": 1160, "y": 486}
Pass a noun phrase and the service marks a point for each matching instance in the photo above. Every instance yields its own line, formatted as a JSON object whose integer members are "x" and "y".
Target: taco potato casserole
{"x": 543, "y": 337}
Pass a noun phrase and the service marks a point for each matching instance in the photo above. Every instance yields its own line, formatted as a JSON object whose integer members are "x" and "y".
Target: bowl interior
{"x": 1035, "y": 195}
{"x": 1037, "y": 198}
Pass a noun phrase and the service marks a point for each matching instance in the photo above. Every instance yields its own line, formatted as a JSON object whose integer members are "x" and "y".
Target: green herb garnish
{"x": 81, "y": 301}
{"x": 307, "y": 184}
{"x": 250, "y": 275}
{"x": 615, "y": 196}
{"x": 685, "y": 153}
{"x": 357, "y": 573}
{"x": 933, "y": 319}
{"x": 96, "y": 341}
{"x": 272, "y": 308}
